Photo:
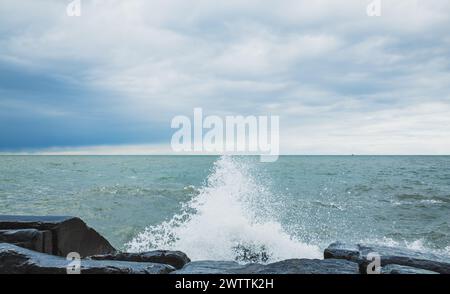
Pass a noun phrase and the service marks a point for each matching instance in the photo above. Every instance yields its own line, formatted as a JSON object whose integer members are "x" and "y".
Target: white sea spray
{"x": 231, "y": 218}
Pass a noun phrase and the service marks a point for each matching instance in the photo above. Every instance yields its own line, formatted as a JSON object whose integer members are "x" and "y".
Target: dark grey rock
{"x": 18, "y": 260}
{"x": 209, "y": 267}
{"x": 342, "y": 251}
{"x": 33, "y": 239}
{"x": 69, "y": 234}
{"x": 290, "y": 266}
{"x": 388, "y": 255}
{"x": 395, "y": 269}
{"x": 310, "y": 266}
{"x": 177, "y": 259}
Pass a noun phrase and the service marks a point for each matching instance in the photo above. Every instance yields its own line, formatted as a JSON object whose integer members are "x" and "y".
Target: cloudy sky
{"x": 112, "y": 79}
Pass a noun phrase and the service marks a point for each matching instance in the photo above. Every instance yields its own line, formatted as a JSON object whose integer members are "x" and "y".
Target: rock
{"x": 18, "y": 260}
{"x": 209, "y": 267}
{"x": 69, "y": 234}
{"x": 290, "y": 266}
{"x": 342, "y": 251}
{"x": 395, "y": 269}
{"x": 388, "y": 255}
{"x": 29, "y": 238}
{"x": 310, "y": 266}
{"x": 177, "y": 259}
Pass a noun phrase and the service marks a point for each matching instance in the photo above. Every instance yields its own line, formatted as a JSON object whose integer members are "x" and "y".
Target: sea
{"x": 236, "y": 207}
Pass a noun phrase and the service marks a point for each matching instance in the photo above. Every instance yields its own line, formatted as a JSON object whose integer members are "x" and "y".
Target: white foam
{"x": 231, "y": 217}
{"x": 416, "y": 245}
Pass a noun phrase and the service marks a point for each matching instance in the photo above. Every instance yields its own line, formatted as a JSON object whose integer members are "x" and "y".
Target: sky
{"x": 112, "y": 79}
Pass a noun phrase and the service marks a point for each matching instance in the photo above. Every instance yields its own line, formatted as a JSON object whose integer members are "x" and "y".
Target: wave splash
{"x": 232, "y": 218}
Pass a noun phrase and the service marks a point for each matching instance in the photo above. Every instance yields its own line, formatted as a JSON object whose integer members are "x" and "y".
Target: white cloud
{"x": 324, "y": 65}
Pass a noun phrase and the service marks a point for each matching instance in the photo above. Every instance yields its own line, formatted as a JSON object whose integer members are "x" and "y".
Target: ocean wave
{"x": 425, "y": 202}
{"x": 136, "y": 190}
{"x": 231, "y": 218}
{"x": 419, "y": 199}
{"x": 417, "y": 245}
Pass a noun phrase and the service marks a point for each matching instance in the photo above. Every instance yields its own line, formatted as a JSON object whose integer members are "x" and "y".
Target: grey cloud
{"x": 324, "y": 66}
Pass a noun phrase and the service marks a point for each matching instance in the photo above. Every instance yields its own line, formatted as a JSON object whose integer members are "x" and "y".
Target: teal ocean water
{"x": 236, "y": 207}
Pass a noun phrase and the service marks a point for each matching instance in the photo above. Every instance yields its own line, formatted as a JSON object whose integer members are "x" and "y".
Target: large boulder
{"x": 210, "y": 267}
{"x": 177, "y": 259}
{"x": 388, "y": 255}
{"x": 33, "y": 239}
{"x": 18, "y": 260}
{"x": 69, "y": 234}
{"x": 310, "y": 266}
{"x": 395, "y": 269}
{"x": 289, "y": 266}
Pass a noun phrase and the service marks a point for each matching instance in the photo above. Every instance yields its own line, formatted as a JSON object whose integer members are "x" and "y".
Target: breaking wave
{"x": 232, "y": 217}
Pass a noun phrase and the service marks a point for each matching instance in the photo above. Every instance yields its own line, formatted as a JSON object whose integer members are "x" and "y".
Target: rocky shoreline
{"x": 41, "y": 244}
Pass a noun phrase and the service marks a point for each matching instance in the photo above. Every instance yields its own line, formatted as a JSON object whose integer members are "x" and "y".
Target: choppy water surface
{"x": 238, "y": 208}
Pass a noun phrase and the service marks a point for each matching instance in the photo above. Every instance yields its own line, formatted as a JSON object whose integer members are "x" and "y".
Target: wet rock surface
{"x": 388, "y": 255}
{"x": 210, "y": 267}
{"x": 177, "y": 259}
{"x": 33, "y": 239}
{"x": 395, "y": 269}
{"x": 289, "y": 266}
{"x": 68, "y": 234}
{"x": 311, "y": 266}
{"x": 18, "y": 260}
